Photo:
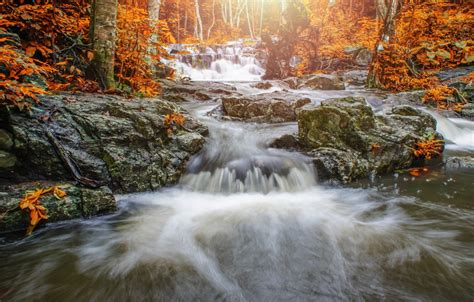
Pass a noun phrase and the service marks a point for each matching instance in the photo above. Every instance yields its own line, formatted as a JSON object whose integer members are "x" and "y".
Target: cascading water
{"x": 458, "y": 133}
{"x": 227, "y": 165}
{"x": 232, "y": 62}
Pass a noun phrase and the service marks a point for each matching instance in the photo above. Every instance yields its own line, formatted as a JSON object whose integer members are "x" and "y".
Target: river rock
{"x": 263, "y": 85}
{"x": 7, "y": 160}
{"x": 459, "y": 162}
{"x": 108, "y": 139}
{"x": 79, "y": 202}
{"x": 6, "y": 141}
{"x": 293, "y": 82}
{"x": 363, "y": 57}
{"x": 355, "y": 77}
{"x": 262, "y": 108}
{"x": 348, "y": 141}
{"x": 323, "y": 82}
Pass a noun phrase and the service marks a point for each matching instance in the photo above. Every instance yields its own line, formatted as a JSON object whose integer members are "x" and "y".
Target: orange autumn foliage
{"x": 54, "y": 49}
{"x": 37, "y": 211}
{"x": 428, "y": 148}
{"x": 429, "y": 36}
{"x": 172, "y": 121}
{"x": 139, "y": 43}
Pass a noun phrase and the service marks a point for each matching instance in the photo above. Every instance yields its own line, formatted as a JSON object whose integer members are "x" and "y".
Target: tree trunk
{"x": 198, "y": 25}
{"x": 213, "y": 19}
{"x": 388, "y": 12}
{"x": 154, "y": 10}
{"x": 261, "y": 18}
{"x": 103, "y": 33}
{"x": 248, "y": 19}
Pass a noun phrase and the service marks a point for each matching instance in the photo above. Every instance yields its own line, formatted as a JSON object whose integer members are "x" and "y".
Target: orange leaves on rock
{"x": 443, "y": 97}
{"x": 172, "y": 121}
{"x": 37, "y": 211}
{"x": 428, "y": 148}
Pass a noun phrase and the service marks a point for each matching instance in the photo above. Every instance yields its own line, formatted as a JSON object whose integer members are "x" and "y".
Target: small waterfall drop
{"x": 458, "y": 133}
{"x": 231, "y": 62}
{"x": 236, "y": 160}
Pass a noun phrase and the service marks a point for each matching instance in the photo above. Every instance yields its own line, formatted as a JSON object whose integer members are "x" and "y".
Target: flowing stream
{"x": 250, "y": 223}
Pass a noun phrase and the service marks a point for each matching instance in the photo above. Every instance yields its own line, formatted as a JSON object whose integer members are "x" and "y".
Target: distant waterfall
{"x": 233, "y": 62}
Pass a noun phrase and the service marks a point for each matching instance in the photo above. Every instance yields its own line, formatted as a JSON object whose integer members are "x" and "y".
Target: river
{"x": 250, "y": 223}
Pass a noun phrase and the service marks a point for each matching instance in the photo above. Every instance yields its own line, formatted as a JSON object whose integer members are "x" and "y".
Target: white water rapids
{"x": 251, "y": 223}
{"x": 224, "y": 63}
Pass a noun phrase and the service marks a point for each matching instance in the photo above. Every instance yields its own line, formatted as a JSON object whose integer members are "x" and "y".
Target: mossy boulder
{"x": 114, "y": 141}
{"x": 348, "y": 140}
{"x": 79, "y": 202}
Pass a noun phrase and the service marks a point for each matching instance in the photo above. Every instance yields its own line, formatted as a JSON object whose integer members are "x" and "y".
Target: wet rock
{"x": 323, "y": 82}
{"x": 363, "y": 57}
{"x": 263, "y": 85}
{"x": 6, "y": 141}
{"x": 453, "y": 73}
{"x": 467, "y": 111}
{"x": 78, "y": 203}
{"x": 113, "y": 141}
{"x": 188, "y": 91}
{"x": 459, "y": 162}
{"x": 292, "y": 82}
{"x": 355, "y": 77}
{"x": 287, "y": 141}
{"x": 348, "y": 141}
{"x": 262, "y": 108}
{"x": 7, "y": 160}
{"x": 202, "y": 96}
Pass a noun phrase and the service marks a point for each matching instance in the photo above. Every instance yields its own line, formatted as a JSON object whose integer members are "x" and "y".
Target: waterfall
{"x": 233, "y": 62}
{"x": 458, "y": 133}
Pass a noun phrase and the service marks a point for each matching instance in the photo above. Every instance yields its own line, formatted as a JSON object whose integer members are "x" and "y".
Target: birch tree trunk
{"x": 103, "y": 33}
{"x": 261, "y": 18}
{"x": 198, "y": 25}
{"x": 154, "y": 10}
{"x": 248, "y": 19}
{"x": 213, "y": 19}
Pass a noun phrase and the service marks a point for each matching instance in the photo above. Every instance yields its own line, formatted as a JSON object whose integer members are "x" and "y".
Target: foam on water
{"x": 226, "y": 63}
{"x": 458, "y": 133}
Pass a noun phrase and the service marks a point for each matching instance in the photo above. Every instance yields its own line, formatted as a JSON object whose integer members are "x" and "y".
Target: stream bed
{"x": 250, "y": 223}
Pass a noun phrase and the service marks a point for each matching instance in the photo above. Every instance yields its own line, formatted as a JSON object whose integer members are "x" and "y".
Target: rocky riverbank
{"x": 347, "y": 141}
{"x": 96, "y": 144}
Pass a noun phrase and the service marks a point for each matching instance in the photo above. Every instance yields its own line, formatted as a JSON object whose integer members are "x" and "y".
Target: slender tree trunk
{"x": 261, "y": 17}
{"x": 231, "y": 16}
{"x": 213, "y": 19}
{"x": 388, "y": 12}
{"x": 248, "y": 19}
{"x": 103, "y": 33}
{"x": 198, "y": 25}
{"x": 154, "y": 10}
{"x": 179, "y": 22}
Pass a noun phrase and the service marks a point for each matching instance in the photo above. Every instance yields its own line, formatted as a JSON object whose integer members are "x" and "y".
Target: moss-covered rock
{"x": 348, "y": 141}
{"x": 79, "y": 202}
{"x": 114, "y": 141}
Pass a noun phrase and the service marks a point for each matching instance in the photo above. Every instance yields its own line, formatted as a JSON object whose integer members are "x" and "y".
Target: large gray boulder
{"x": 263, "y": 108}
{"x": 348, "y": 141}
{"x": 107, "y": 140}
{"x": 323, "y": 82}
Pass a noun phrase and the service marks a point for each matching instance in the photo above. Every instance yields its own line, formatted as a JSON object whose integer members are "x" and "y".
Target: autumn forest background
{"x": 109, "y": 46}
